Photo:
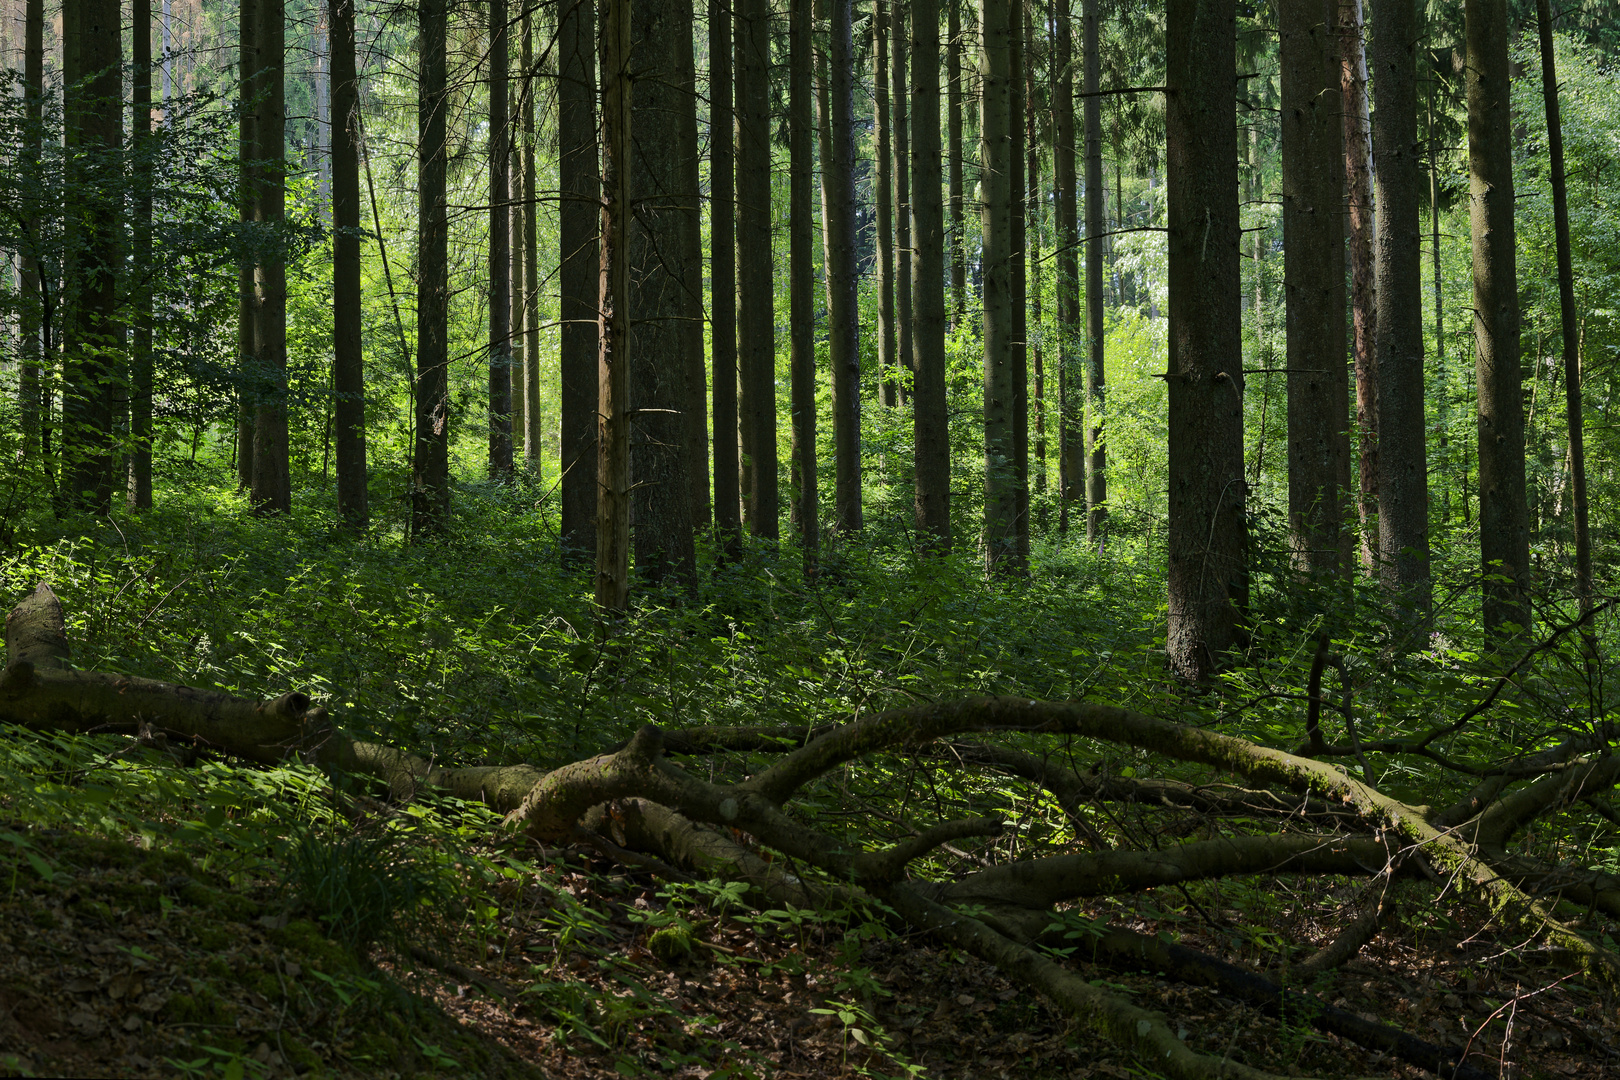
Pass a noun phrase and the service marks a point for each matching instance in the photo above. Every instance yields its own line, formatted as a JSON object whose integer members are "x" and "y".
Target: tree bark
{"x": 995, "y": 217}
{"x": 900, "y": 142}
{"x": 247, "y": 150}
{"x": 953, "y": 122}
{"x": 348, "y": 357}
{"x": 837, "y": 97}
{"x": 272, "y": 481}
{"x": 92, "y": 70}
{"x": 1403, "y": 475}
{"x": 615, "y": 361}
{"x": 756, "y": 323}
{"x": 579, "y": 216}
{"x": 534, "y": 435}
{"x": 695, "y": 424}
{"x": 1071, "y": 356}
{"x": 930, "y": 421}
{"x": 723, "y": 279}
{"x": 1207, "y": 530}
{"x": 1363, "y": 235}
{"x": 1566, "y": 305}
{"x": 883, "y": 200}
{"x": 1504, "y": 516}
{"x": 31, "y": 319}
{"x": 1096, "y": 473}
{"x": 1032, "y": 232}
{"x": 430, "y": 474}
{"x": 500, "y": 247}
{"x": 1018, "y": 34}
{"x": 1313, "y": 245}
{"x": 806, "y": 506}
{"x": 140, "y": 357}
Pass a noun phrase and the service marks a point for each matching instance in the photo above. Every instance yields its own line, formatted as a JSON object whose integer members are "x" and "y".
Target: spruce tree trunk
{"x": 1032, "y": 232}
{"x": 1403, "y": 475}
{"x": 579, "y": 222}
{"x": 272, "y": 483}
{"x": 1566, "y": 303}
{"x": 837, "y": 95}
{"x": 534, "y": 435}
{"x": 696, "y": 407}
{"x": 348, "y": 358}
{"x": 1207, "y": 538}
{"x": 723, "y": 279}
{"x": 995, "y": 217}
{"x": 430, "y": 474}
{"x": 756, "y": 321}
{"x": 140, "y": 357}
{"x": 1096, "y": 372}
{"x": 1071, "y": 354}
{"x": 31, "y": 320}
{"x": 1313, "y": 279}
{"x": 931, "y": 434}
{"x": 500, "y": 248}
{"x": 899, "y": 114}
{"x": 883, "y": 200}
{"x": 1359, "y": 179}
{"x": 247, "y": 310}
{"x": 805, "y": 509}
{"x": 92, "y": 50}
{"x": 613, "y": 387}
{"x": 515, "y": 309}
{"x": 953, "y": 122}
{"x": 1018, "y": 30}
{"x": 1504, "y": 517}
{"x": 659, "y": 315}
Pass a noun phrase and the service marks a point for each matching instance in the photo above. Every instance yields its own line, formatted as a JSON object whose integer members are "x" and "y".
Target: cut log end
{"x": 36, "y": 631}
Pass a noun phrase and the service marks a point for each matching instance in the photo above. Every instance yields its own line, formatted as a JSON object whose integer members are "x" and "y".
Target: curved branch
{"x": 888, "y": 863}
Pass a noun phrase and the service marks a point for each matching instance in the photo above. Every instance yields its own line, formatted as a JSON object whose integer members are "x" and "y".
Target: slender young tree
{"x": 348, "y": 358}
{"x": 613, "y": 388}
{"x": 657, "y": 347}
{"x": 1359, "y": 177}
{"x": 900, "y": 143}
{"x": 1096, "y": 373}
{"x": 140, "y": 356}
{"x": 689, "y": 211}
{"x": 756, "y": 322}
{"x": 1566, "y": 304}
{"x": 31, "y": 321}
{"x": 837, "y": 97}
{"x": 271, "y": 492}
{"x": 1207, "y": 539}
{"x": 515, "y": 308}
{"x": 1403, "y": 475}
{"x": 995, "y": 217}
{"x": 1504, "y": 516}
{"x": 805, "y": 510}
{"x": 1313, "y": 279}
{"x": 1032, "y": 233}
{"x": 534, "y": 448}
{"x": 247, "y": 150}
{"x": 1018, "y": 31}
{"x": 930, "y": 420}
{"x": 1071, "y": 460}
{"x": 723, "y": 280}
{"x": 578, "y": 217}
{"x": 883, "y": 200}
{"x": 430, "y": 470}
{"x": 500, "y": 248}
{"x": 953, "y": 152}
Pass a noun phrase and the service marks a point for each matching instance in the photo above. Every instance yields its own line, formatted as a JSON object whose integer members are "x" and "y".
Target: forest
{"x": 787, "y": 538}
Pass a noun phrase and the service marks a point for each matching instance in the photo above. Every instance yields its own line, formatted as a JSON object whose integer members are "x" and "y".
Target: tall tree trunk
{"x": 837, "y": 96}
{"x": 1096, "y": 372}
{"x": 613, "y": 388}
{"x": 32, "y": 320}
{"x": 1032, "y": 232}
{"x": 659, "y": 342}
{"x": 1208, "y": 571}
{"x": 1359, "y": 178}
{"x": 1439, "y": 294}
{"x": 931, "y": 434}
{"x": 695, "y": 421}
{"x": 500, "y": 248}
{"x": 272, "y": 483}
{"x": 247, "y": 153}
{"x": 1566, "y": 302}
{"x": 534, "y": 435}
{"x": 723, "y": 278}
{"x": 1504, "y": 516}
{"x": 578, "y": 217}
{"x": 516, "y": 307}
{"x": 756, "y": 323}
{"x": 953, "y": 127}
{"x": 805, "y": 511}
{"x": 92, "y": 70}
{"x": 430, "y": 478}
{"x": 995, "y": 216}
{"x": 1018, "y": 31}
{"x": 1403, "y": 475}
{"x": 1313, "y": 276}
{"x": 899, "y": 113}
{"x": 320, "y": 77}
{"x": 883, "y": 199}
{"x": 1071, "y": 357}
{"x": 348, "y": 358}
{"x": 140, "y": 357}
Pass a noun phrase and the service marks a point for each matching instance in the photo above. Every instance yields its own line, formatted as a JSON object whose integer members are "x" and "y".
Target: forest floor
{"x": 121, "y": 962}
